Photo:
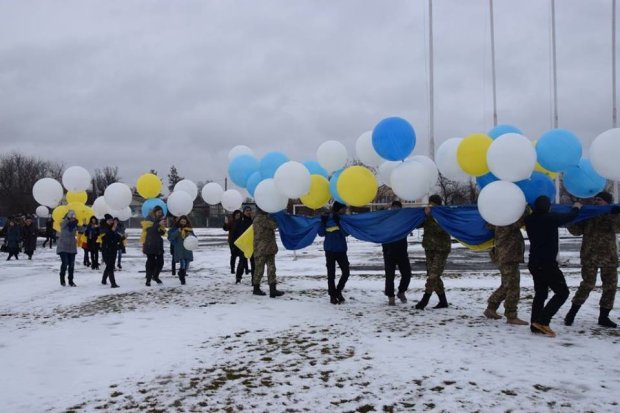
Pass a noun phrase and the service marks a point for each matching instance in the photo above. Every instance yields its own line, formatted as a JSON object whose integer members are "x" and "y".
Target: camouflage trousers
{"x": 259, "y": 268}
{"x": 609, "y": 277}
{"x": 435, "y": 263}
{"x": 508, "y": 291}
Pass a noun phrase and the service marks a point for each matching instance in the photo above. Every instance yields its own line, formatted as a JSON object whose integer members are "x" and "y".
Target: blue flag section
{"x": 383, "y": 226}
{"x": 463, "y": 223}
{"x": 296, "y": 232}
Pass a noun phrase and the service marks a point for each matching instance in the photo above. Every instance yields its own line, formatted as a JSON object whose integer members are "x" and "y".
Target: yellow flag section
{"x": 485, "y": 246}
{"x": 246, "y": 242}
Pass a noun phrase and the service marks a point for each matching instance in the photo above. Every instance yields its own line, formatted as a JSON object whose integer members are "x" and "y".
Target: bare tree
{"x": 173, "y": 178}
{"x": 457, "y": 193}
{"x": 102, "y": 178}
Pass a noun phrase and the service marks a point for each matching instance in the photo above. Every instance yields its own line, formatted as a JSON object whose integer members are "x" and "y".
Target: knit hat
{"x": 606, "y": 196}
{"x": 337, "y": 206}
{"x": 108, "y": 216}
{"x": 542, "y": 204}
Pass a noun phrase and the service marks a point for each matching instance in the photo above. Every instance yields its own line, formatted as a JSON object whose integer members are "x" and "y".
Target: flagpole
{"x": 614, "y": 114}
{"x": 493, "y": 63}
{"x": 555, "y": 89}
{"x": 431, "y": 111}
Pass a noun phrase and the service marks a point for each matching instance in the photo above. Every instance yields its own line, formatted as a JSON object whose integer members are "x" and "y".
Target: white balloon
{"x": 42, "y": 211}
{"x": 122, "y": 214}
{"x": 431, "y": 169}
{"x": 48, "y": 192}
{"x": 190, "y": 243}
{"x": 239, "y": 150}
{"x": 384, "y": 172}
{"x": 365, "y": 152}
{"x": 188, "y": 186}
{"x": 410, "y": 181}
{"x": 100, "y": 207}
{"x": 511, "y": 157}
{"x": 232, "y": 200}
{"x": 269, "y": 198}
{"x": 76, "y": 179}
{"x": 212, "y": 193}
{"x": 332, "y": 155}
{"x": 117, "y": 195}
{"x": 501, "y": 203}
{"x": 447, "y": 163}
{"x": 180, "y": 203}
{"x": 604, "y": 154}
{"x": 292, "y": 179}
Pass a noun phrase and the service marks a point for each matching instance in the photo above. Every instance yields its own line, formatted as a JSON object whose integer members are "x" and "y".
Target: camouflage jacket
{"x": 264, "y": 235}
{"x": 598, "y": 246}
{"x": 509, "y": 245}
{"x": 435, "y": 238}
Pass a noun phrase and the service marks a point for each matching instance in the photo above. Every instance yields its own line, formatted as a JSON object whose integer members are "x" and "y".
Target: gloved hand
{"x": 615, "y": 209}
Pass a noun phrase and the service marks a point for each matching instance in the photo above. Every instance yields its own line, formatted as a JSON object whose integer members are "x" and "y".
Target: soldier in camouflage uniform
{"x": 598, "y": 250}
{"x": 507, "y": 253}
{"x": 437, "y": 245}
{"x": 265, "y": 250}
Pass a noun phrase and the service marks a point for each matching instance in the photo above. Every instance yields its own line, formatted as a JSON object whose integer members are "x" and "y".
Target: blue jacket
{"x": 335, "y": 236}
{"x": 176, "y": 239}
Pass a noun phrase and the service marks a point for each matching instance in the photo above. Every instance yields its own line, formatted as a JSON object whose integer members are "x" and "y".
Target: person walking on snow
{"x": 177, "y": 235}
{"x": 335, "y": 247}
{"x": 153, "y": 228}
{"x": 66, "y": 246}
{"x": 395, "y": 255}
{"x": 265, "y": 250}
{"x": 109, "y": 247}
{"x": 30, "y": 233}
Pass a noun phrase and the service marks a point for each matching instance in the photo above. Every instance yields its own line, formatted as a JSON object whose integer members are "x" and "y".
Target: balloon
{"x": 357, "y": 186}
{"x": 393, "y": 139}
{"x": 185, "y": 185}
{"x": 48, "y": 192}
{"x": 190, "y": 243}
{"x": 385, "y": 171}
{"x": 81, "y": 211}
{"x": 180, "y": 203}
{"x": 212, "y": 193}
{"x": 59, "y": 213}
{"x": 76, "y": 179}
{"x": 319, "y": 194}
{"x": 431, "y": 169}
{"x": 241, "y": 167}
{"x": 472, "y": 154}
{"x": 582, "y": 180}
{"x": 232, "y": 200}
{"x": 501, "y": 203}
{"x": 122, "y": 214}
{"x": 539, "y": 184}
{"x": 365, "y": 152}
{"x": 409, "y": 180}
{"x": 100, "y": 207}
{"x": 315, "y": 168}
{"x": 484, "y": 180}
{"x": 88, "y": 212}
{"x": 238, "y": 151}
{"x": 269, "y": 198}
{"x": 511, "y": 157}
{"x": 149, "y": 204}
{"x": 332, "y": 155}
{"x": 56, "y": 226}
{"x": 502, "y": 129}
{"x": 79, "y": 197}
{"x": 446, "y": 160}
{"x": 253, "y": 182}
{"x": 604, "y": 154}
{"x": 270, "y": 163}
{"x": 42, "y": 211}
{"x": 333, "y": 187}
{"x": 292, "y": 179}
{"x": 539, "y": 168}
{"x": 558, "y": 150}
{"x": 148, "y": 185}
{"x": 117, "y": 195}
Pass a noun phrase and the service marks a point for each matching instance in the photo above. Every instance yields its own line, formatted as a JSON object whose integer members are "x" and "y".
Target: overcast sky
{"x": 147, "y": 84}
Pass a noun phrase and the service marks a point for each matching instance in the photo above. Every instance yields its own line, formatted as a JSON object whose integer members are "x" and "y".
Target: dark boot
{"x": 570, "y": 316}
{"x": 603, "y": 319}
{"x": 273, "y": 292}
{"x": 340, "y": 297}
{"x": 182, "y": 276}
{"x": 443, "y": 302}
{"x": 113, "y": 281}
{"x": 423, "y": 302}
{"x": 62, "y": 280}
{"x": 104, "y": 278}
{"x": 257, "y": 290}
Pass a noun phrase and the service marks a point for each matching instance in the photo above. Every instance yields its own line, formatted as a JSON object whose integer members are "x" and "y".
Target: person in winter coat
{"x": 50, "y": 233}
{"x": 229, "y": 226}
{"x": 437, "y": 245}
{"x": 13, "y": 238}
{"x": 92, "y": 233}
{"x": 335, "y": 247}
{"x": 109, "y": 246}
{"x": 173, "y": 263}
{"x": 240, "y": 227}
{"x": 542, "y": 231}
{"x": 29, "y": 236}
{"x": 82, "y": 242}
{"x": 153, "y": 228}
{"x": 176, "y": 235}
{"x": 599, "y": 250}
{"x": 265, "y": 250}
{"x": 66, "y": 246}
{"x": 395, "y": 255}
{"x": 120, "y": 228}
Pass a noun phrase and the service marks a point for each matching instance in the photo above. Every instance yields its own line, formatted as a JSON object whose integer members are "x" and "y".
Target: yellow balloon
{"x": 148, "y": 186}
{"x": 56, "y": 226}
{"x": 79, "y": 197}
{"x": 357, "y": 186}
{"x": 539, "y": 168}
{"x": 472, "y": 154}
{"x": 319, "y": 194}
{"x": 59, "y": 213}
{"x": 88, "y": 212}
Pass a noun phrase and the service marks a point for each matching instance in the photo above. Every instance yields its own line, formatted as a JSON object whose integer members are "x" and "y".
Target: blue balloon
{"x": 393, "y": 139}
{"x": 539, "y": 184}
{"x": 333, "y": 186}
{"x": 502, "y": 129}
{"x": 240, "y": 169}
{"x": 558, "y": 149}
{"x": 484, "y": 180}
{"x": 270, "y": 163}
{"x": 152, "y": 203}
{"x": 253, "y": 182}
{"x": 582, "y": 180}
{"x": 315, "y": 168}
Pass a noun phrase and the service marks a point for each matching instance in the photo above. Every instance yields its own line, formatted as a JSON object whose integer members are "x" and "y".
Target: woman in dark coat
{"x": 109, "y": 247}
{"x": 229, "y": 225}
{"x": 13, "y": 238}
{"x": 92, "y": 233}
{"x": 177, "y": 235}
{"x": 29, "y": 236}
{"x": 153, "y": 227}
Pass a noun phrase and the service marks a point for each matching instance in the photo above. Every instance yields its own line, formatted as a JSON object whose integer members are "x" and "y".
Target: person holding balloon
{"x": 395, "y": 254}
{"x": 120, "y": 228}
{"x": 229, "y": 226}
{"x": 92, "y": 233}
{"x": 335, "y": 247}
{"x": 66, "y": 246}
{"x": 110, "y": 241}
{"x": 265, "y": 250}
{"x": 176, "y": 235}
{"x": 153, "y": 228}
{"x": 241, "y": 226}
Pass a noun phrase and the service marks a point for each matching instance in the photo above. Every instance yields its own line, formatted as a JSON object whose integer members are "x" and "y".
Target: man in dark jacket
{"x": 240, "y": 227}
{"x": 50, "y": 233}
{"x": 29, "y": 236}
{"x": 109, "y": 247}
{"x": 335, "y": 246}
{"x": 542, "y": 231}
{"x": 395, "y": 255}
{"x": 153, "y": 227}
{"x": 229, "y": 226}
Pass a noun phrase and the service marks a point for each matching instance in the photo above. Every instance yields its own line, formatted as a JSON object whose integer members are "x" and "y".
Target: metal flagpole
{"x": 493, "y": 63}
{"x": 614, "y": 115}
{"x": 431, "y": 112}
{"x": 555, "y": 89}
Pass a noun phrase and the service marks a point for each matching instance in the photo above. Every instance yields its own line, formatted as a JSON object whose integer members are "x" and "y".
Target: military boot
{"x": 603, "y": 319}
{"x": 423, "y": 302}
{"x": 273, "y": 292}
{"x": 391, "y": 301}
{"x": 257, "y": 290}
{"x": 492, "y": 314}
{"x": 443, "y": 302}
{"x": 570, "y": 316}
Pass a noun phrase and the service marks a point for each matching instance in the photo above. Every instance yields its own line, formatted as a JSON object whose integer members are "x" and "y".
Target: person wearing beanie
{"x": 265, "y": 250}
{"x": 153, "y": 228}
{"x": 598, "y": 252}
{"x": 92, "y": 233}
{"x": 109, "y": 247}
{"x": 181, "y": 229}
{"x": 395, "y": 255}
{"x": 66, "y": 246}
{"x": 437, "y": 245}
{"x": 335, "y": 247}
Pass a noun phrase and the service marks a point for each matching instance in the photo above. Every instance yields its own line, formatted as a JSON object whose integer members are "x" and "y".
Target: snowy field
{"x": 212, "y": 346}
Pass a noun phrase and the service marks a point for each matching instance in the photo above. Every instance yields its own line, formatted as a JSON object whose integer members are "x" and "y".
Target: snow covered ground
{"x": 212, "y": 346}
